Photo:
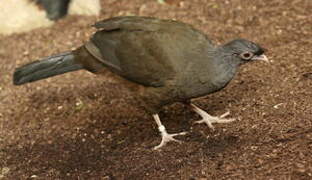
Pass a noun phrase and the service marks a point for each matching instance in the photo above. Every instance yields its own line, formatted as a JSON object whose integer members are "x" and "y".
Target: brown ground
{"x": 78, "y": 126}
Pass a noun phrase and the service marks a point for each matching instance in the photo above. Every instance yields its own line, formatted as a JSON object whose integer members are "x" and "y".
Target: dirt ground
{"x": 79, "y": 126}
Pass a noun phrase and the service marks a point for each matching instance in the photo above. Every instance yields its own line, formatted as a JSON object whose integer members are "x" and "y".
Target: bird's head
{"x": 245, "y": 51}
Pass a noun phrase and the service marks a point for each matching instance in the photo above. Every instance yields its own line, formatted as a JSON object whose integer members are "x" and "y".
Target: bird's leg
{"x": 165, "y": 137}
{"x": 208, "y": 119}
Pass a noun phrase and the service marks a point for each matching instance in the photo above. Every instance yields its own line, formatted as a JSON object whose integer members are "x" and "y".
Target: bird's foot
{"x": 165, "y": 137}
{"x": 209, "y": 120}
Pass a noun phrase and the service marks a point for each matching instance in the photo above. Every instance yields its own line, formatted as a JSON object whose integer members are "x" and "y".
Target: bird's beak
{"x": 261, "y": 58}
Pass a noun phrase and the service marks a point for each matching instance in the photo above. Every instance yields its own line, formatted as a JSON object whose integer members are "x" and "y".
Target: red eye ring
{"x": 246, "y": 55}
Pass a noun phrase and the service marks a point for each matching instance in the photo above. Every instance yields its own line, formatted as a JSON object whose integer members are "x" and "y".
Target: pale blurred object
{"x": 24, "y": 15}
{"x": 161, "y": 1}
{"x": 20, "y": 16}
{"x": 85, "y": 7}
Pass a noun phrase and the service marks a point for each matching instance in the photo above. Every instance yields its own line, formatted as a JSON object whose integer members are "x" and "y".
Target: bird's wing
{"x": 131, "y": 23}
{"x": 139, "y": 49}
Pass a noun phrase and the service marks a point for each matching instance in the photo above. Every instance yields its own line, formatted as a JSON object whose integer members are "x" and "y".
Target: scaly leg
{"x": 164, "y": 135}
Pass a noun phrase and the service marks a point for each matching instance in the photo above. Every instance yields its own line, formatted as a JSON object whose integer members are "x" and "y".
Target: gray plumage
{"x": 47, "y": 67}
{"x": 166, "y": 61}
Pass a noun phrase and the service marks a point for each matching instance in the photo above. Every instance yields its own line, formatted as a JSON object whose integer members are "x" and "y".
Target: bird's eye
{"x": 246, "y": 55}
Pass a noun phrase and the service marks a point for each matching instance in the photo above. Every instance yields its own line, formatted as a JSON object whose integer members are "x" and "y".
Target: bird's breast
{"x": 201, "y": 83}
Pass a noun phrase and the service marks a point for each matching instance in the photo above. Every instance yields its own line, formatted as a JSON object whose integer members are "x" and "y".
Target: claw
{"x": 225, "y": 114}
{"x": 167, "y": 138}
{"x": 208, "y": 119}
{"x": 209, "y": 123}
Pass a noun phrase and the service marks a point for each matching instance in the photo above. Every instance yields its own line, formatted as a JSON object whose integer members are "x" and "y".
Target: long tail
{"x": 47, "y": 67}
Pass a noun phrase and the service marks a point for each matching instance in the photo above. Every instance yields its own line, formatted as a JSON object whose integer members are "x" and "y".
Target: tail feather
{"x": 47, "y": 67}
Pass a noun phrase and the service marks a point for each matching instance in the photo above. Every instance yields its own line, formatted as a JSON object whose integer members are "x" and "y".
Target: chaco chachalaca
{"x": 166, "y": 61}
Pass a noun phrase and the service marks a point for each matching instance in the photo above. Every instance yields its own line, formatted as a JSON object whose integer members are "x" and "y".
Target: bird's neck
{"x": 225, "y": 58}
{"x": 225, "y": 66}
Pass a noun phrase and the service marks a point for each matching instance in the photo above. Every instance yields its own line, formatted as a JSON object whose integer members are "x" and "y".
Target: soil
{"x": 80, "y": 126}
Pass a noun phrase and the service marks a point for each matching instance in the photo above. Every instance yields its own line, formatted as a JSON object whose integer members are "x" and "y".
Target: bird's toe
{"x": 167, "y": 138}
{"x": 207, "y": 121}
{"x": 225, "y": 114}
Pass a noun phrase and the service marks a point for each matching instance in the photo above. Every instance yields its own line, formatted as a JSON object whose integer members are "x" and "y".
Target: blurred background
{"x": 25, "y": 15}
{"x": 79, "y": 126}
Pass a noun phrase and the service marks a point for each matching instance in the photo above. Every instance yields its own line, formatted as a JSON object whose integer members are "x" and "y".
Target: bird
{"x": 161, "y": 61}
